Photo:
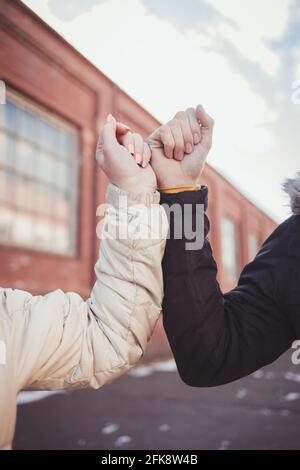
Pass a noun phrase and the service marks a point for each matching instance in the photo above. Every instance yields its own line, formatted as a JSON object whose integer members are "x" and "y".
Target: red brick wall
{"x": 38, "y": 63}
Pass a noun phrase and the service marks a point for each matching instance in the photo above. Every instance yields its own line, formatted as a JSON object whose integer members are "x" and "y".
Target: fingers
{"x": 194, "y": 125}
{"x": 181, "y": 134}
{"x": 207, "y": 125}
{"x": 135, "y": 145}
{"x": 107, "y": 142}
{"x": 114, "y": 134}
{"x": 146, "y": 155}
{"x": 167, "y": 140}
{"x": 186, "y": 131}
{"x": 175, "y": 128}
{"x": 127, "y": 141}
{"x": 138, "y": 145}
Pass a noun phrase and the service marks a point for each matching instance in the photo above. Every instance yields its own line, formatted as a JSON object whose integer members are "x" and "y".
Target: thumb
{"x": 207, "y": 126}
{"x": 107, "y": 142}
{"x": 109, "y": 139}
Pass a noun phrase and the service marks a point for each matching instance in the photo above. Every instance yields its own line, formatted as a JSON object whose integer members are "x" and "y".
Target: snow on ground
{"x": 28, "y": 397}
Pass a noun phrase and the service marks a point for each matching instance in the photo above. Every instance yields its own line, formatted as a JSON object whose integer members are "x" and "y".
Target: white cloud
{"x": 70, "y": 10}
{"x": 296, "y": 56}
{"x": 252, "y": 15}
{"x": 257, "y": 22}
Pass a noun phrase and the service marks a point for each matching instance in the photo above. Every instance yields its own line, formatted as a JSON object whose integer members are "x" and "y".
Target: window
{"x": 230, "y": 249}
{"x": 38, "y": 178}
{"x": 253, "y": 244}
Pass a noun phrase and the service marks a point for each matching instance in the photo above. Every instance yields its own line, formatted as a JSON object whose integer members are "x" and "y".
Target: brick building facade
{"x": 50, "y": 185}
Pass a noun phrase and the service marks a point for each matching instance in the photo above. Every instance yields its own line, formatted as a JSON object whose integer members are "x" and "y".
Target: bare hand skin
{"x": 185, "y": 141}
{"x": 135, "y": 144}
{"x": 117, "y": 161}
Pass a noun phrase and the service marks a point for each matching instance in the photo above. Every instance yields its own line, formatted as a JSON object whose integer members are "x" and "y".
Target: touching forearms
{"x": 127, "y": 296}
{"x": 218, "y": 338}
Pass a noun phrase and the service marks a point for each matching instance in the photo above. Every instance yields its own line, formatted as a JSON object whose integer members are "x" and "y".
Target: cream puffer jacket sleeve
{"x": 60, "y": 341}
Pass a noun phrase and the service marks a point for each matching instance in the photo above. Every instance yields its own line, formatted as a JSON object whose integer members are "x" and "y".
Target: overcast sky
{"x": 240, "y": 59}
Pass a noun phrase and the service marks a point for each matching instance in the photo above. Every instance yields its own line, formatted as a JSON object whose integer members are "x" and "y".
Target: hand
{"x": 185, "y": 141}
{"x": 118, "y": 163}
{"x": 135, "y": 145}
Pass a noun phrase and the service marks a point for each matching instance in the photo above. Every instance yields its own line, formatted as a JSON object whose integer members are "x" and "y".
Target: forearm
{"x": 126, "y": 299}
{"x": 127, "y": 296}
{"x": 68, "y": 342}
{"x": 217, "y": 338}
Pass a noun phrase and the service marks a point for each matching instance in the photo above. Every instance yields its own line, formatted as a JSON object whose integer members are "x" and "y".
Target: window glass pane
{"x": 24, "y": 196}
{"x": 61, "y": 239}
{"x": 66, "y": 144}
{"x": 45, "y": 168}
{"x": 42, "y": 234}
{"x": 32, "y": 196}
{"x": 61, "y": 206}
{"x": 6, "y": 151}
{"x": 2, "y": 115}
{"x": 6, "y": 218}
{"x": 63, "y": 174}
{"x": 11, "y": 187}
{"x": 10, "y": 116}
{"x": 25, "y": 160}
{"x": 44, "y": 200}
{"x": 3, "y": 189}
{"x": 22, "y": 229}
{"x": 28, "y": 125}
{"x": 37, "y": 178}
{"x": 49, "y": 137}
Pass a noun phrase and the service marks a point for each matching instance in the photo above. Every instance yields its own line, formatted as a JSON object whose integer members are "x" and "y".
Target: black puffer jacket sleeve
{"x": 217, "y": 338}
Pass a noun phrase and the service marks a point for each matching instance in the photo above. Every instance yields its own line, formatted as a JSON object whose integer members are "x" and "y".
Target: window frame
{"x": 73, "y": 159}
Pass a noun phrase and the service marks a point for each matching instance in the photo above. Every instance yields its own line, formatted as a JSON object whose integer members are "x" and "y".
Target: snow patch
{"x": 258, "y": 374}
{"x": 149, "y": 369}
{"x": 224, "y": 445}
{"x": 122, "y": 440}
{"x": 292, "y": 376}
{"x": 292, "y": 396}
{"x": 29, "y": 397}
{"x": 164, "y": 428}
{"x": 110, "y": 428}
{"x": 242, "y": 393}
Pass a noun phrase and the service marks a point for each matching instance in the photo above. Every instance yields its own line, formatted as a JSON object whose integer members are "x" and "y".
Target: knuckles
{"x": 174, "y": 122}
{"x": 180, "y": 115}
{"x": 190, "y": 110}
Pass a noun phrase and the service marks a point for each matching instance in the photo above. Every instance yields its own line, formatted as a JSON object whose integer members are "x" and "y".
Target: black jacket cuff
{"x": 186, "y": 197}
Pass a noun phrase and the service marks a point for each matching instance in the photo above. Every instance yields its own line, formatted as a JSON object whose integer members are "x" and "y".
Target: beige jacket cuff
{"x": 119, "y": 198}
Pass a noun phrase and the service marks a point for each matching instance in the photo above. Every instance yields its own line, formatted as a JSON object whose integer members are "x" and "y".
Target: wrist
{"x": 122, "y": 199}
{"x": 134, "y": 184}
{"x": 174, "y": 183}
{"x": 135, "y": 188}
{"x": 181, "y": 189}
